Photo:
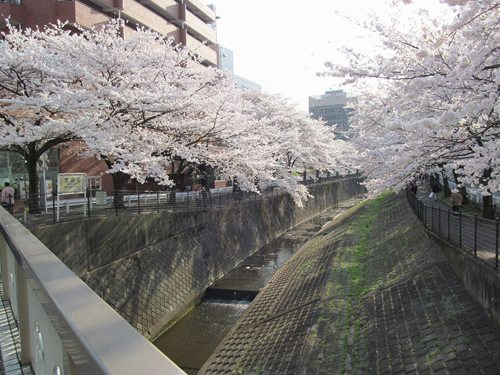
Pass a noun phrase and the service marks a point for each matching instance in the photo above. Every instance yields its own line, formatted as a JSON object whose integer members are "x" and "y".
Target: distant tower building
{"x": 331, "y": 107}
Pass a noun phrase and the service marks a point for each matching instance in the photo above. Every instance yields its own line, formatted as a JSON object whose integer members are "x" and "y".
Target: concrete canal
{"x": 191, "y": 341}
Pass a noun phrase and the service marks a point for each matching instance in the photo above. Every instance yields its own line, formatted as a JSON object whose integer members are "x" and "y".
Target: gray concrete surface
{"x": 370, "y": 294}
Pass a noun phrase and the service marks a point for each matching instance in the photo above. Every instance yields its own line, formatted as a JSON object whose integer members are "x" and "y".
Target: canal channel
{"x": 191, "y": 341}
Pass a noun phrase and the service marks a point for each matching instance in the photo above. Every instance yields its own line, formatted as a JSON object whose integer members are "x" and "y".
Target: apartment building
{"x": 332, "y": 108}
{"x": 189, "y": 22}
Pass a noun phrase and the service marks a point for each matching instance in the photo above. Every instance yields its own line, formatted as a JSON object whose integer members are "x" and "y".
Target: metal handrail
{"x": 466, "y": 231}
{"x": 148, "y": 201}
{"x": 55, "y": 308}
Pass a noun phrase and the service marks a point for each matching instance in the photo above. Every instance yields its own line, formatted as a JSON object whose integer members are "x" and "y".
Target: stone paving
{"x": 369, "y": 294}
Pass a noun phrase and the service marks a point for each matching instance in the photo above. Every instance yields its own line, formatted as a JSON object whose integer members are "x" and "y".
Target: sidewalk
{"x": 467, "y": 231}
{"x": 423, "y": 195}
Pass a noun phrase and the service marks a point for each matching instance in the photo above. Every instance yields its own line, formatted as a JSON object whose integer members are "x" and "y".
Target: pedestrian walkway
{"x": 370, "y": 294}
{"x": 10, "y": 343}
{"x": 470, "y": 232}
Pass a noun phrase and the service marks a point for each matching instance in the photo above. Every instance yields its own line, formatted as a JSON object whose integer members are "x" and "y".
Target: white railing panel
{"x": 59, "y": 313}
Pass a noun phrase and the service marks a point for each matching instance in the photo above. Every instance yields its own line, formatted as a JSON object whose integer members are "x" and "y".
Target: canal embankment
{"x": 192, "y": 339}
{"x": 371, "y": 293}
{"x": 152, "y": 268}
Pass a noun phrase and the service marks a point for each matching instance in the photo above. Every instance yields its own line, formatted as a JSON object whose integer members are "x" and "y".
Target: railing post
{"x": 425, "y": 216}
{"x": 475, "y": 235}
{"x": 460, "y": 231}
{"x": 158, "y": 199}
{"x": 54, "y": 205}
{"x": 496, "y": 243}
{"x": 23, "y": 312}
{"x": 449, "y": 217}
{"x": 89, "y": 204}
{"x": 4, "y": 269}
{"x": 138, "y": 201}
{"x": 432, "y": 218}
{"x": 439, "y": 220}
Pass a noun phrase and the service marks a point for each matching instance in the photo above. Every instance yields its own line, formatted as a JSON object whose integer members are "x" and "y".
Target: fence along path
{"x": 101, "y": 203}
{"x": 473, "y": 234}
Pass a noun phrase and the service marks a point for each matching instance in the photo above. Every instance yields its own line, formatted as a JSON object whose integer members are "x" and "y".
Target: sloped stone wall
{"x": 153, "y": 268}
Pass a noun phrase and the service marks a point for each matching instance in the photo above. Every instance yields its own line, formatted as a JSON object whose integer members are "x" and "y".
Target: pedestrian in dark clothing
{"x": 435, "y": 190}
{"x": 204, "y": 196}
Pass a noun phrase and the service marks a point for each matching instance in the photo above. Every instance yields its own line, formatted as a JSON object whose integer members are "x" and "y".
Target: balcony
{"x": 202, "y": 50}
{"x": 78, "y": 13}
{"x": 108, "y": 5}
{"x": 198, "y": 8}
{"x": 179, "y": 14}
{"x": 200, "y": 29}
{"x": 137, "y": 13}
{"x": 169, "y": 9}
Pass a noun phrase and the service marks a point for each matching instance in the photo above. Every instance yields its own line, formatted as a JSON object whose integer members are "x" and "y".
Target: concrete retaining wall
{"x": 481, "y": 281}
{"x": 153, "y": 268}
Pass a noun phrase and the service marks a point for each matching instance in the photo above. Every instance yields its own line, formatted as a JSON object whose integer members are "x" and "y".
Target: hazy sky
{"x": 281, "y": 44}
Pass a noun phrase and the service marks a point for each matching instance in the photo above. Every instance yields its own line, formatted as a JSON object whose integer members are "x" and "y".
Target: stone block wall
{"x": 481, "y": 281}
{"x": 152, "y": 268}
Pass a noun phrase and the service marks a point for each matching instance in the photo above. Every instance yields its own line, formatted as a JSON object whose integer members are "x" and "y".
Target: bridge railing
{"x": 64, "y": 327}
{"x": 116, "y": 203}
{"x": 480, "y": 237}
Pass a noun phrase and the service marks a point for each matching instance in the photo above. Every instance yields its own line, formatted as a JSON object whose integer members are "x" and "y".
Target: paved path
{"x": 370, "y": 294}
{"x": 471, "y": 233}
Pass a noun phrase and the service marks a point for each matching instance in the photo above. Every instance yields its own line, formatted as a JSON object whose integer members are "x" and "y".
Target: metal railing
{"x": 64, "y": 327}
{"x": 117, "y": 203}
{"x": 476, "y": 235}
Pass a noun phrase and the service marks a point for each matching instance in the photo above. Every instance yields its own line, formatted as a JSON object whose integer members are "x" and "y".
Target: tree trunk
{"x": 488, "y": 207}
{"x": 33, "y": 201}
{"x": 447, "y": 191}
{"x": 31, "y": 163}
{"x": 119, "y": 179}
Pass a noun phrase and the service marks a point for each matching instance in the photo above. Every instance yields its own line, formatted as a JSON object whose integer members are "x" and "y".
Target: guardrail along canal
{"x": 191, "y": 341}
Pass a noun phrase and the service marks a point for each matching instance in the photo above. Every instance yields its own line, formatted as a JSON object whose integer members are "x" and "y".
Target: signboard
{"x": 71, "y": 183}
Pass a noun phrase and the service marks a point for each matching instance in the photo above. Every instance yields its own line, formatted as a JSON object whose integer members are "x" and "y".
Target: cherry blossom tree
{"x": 283, "y": 142}
{"x": 156, "y": 106}
{"x": 142, "y": 103}
{"x": 430, "y": 96}
{"x": 37, "y": 111}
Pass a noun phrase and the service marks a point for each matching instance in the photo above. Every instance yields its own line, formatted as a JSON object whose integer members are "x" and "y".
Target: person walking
{"x": 435, "y": 190}
{"x": 456, "y": 200}
{"x": 204, "y": 196}
{"x": 8, "y": 197}
{"x": 198, "y": 198}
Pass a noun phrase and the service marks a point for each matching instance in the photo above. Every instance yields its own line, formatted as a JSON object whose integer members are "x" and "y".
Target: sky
{"x": 282, "y": 44}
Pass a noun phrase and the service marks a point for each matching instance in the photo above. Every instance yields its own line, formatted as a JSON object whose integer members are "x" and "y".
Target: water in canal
{"x": 191, "y": 341}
